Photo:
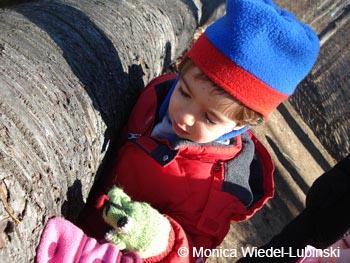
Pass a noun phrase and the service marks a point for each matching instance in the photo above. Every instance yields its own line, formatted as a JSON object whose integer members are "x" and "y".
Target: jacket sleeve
{"x": 180, "y": 250}
{"x": 328, "y": 200}
{"x": 331, "y": 186}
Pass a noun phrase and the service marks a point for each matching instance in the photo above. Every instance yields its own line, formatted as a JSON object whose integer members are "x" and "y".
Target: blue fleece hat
{"x": 257, "y": 52}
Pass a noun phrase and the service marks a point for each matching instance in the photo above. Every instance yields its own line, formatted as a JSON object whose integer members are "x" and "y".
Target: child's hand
{"x": 135, "y": 226}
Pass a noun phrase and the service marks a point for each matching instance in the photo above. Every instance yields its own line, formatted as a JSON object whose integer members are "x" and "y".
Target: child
{"x": 189, "y": 152}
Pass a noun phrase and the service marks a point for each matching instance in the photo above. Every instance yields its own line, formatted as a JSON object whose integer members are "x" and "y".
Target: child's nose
{"x": 188, "y": 119}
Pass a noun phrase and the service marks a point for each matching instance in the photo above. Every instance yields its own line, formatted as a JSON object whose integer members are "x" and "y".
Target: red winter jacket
{"x": 202, "y": 186}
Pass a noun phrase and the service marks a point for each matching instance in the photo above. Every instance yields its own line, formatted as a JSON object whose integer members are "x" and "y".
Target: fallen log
{"x": 70, "y": 72}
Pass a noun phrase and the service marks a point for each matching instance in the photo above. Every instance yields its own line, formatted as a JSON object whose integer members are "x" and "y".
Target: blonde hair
{"x": 241, "y": 114}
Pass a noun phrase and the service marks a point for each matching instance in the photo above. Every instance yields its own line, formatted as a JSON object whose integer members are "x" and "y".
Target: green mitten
{"x": 136, "y": 226}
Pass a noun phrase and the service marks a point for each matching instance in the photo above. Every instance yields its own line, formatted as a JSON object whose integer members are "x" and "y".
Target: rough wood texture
{"x": 323, "y": 98}
{"x": 69, "y": 72}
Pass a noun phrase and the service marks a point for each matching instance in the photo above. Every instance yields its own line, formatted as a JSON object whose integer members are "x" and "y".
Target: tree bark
{"x": 70, "y": 72}
{"x": 322, "y": 99}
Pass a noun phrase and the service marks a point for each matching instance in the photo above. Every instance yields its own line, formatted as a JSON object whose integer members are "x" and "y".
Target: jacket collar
{"x": 208, "y": 151}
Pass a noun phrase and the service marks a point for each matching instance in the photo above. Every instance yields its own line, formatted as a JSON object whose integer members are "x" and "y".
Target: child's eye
{"x": 208, "y": 120}
{"x": 183, "y": 93}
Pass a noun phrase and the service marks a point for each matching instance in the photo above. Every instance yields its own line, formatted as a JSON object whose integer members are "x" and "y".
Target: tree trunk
{"x": 70, "y": 72}
{"x": 323, "y": 98}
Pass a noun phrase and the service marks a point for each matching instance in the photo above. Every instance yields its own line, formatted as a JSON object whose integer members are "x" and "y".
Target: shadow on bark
{"x": 289, "y": 166}
{"x": 91, "y": 56}
{"x": 208, "y": 14}
{"x": 74, "y": 201}
{"x": 304, "y": 139}
{"x": 94, "y": 60}
{"x": 193, "y": 8}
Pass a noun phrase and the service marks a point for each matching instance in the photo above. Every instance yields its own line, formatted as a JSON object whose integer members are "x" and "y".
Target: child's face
{"x": 193, "y": 109}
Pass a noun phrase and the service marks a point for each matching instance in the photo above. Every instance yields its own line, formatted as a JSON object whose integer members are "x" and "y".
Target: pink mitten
{"x": 62, "y": 241}
{"x": 342, "y": 256}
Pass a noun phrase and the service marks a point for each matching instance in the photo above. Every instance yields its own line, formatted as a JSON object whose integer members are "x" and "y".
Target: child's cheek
{"x": 176, "y": 102}
{"x": 203, "y": 134}
{"x": 172, "y": 107}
